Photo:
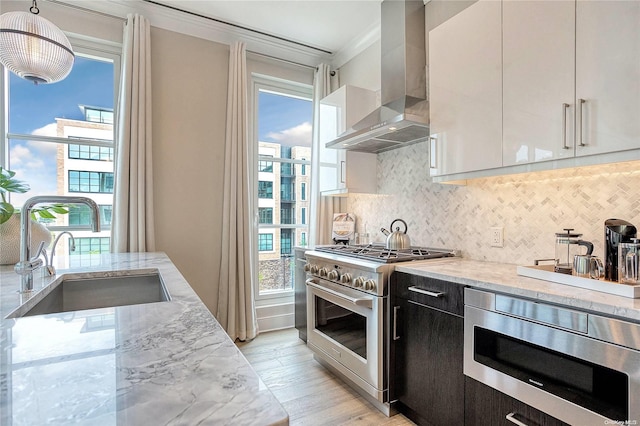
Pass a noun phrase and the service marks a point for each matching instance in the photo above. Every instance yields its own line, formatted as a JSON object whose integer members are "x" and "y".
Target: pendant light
{"x": 33, "y": 48}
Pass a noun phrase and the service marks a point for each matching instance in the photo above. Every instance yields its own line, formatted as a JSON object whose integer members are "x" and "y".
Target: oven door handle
{"x": 367, "y": 302}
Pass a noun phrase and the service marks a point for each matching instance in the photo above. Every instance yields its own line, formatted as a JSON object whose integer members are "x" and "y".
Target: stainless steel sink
{"x": 73, "y": 293}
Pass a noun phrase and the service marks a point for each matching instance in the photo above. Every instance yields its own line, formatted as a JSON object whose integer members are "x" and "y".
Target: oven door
{"x": 345, "y": 329}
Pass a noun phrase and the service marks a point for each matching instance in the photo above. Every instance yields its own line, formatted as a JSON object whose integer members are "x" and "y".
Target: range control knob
{"x": 323, "y": 272}
{"x": 313, "y": 269}
{"x": 345, "y": 278}
{"x": 307, "y": 267}
{"x": 370, "y": 285}
{"x": 333, "y": 275}
{"x": 359, "y": 282}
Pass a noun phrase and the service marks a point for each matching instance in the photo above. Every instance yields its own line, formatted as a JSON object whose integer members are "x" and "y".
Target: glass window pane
{"x": 284, "y": 127}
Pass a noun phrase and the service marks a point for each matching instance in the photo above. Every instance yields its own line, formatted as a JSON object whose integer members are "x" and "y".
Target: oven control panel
{"x": 372, "y": 282}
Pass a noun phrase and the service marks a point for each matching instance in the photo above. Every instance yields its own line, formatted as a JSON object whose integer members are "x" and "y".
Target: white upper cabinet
{"x": 465, "y": 91}
{"x": 607, "y": 76}
{"x": 343, "y": 172}
{"x": 538, "y": 41}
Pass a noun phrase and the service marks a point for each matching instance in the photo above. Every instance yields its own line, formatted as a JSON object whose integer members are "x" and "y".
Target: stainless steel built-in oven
{"x": 347, "y": 325}
{"x": 579, "y": 367}
{"x": 348, "y": 312}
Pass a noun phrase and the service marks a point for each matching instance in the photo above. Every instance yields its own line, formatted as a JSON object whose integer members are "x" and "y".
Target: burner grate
{"x": 379, "y": 253}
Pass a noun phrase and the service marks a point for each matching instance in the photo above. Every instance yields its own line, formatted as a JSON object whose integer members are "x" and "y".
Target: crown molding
{"x": 196, "y": 26}
{"x": 357, "y": 45}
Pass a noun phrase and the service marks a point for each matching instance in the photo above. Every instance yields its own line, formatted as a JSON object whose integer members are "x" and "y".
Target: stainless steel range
{"x": 348, "y": 311}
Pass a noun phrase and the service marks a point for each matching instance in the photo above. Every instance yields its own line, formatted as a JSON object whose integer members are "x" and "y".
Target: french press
{"x": 567, "y": 246}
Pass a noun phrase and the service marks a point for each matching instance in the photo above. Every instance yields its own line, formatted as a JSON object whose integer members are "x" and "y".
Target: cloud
{"x": 35, "y": 163}
{"x": 299, "y": 135}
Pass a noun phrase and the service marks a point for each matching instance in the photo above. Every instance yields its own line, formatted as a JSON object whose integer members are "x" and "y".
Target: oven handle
{"x": 367, "y": 302}
{"x": 427, "y": 292}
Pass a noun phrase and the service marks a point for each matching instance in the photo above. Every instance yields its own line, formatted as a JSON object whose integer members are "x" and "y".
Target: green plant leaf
{"x": 9, "y": 184}
{"x": 6, "y": 211}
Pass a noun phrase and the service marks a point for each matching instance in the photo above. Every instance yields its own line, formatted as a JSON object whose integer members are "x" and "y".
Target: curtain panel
{"x": 133, "y": 222}
{"x": 236, "y": 306}
{"x": 321, "y": 208}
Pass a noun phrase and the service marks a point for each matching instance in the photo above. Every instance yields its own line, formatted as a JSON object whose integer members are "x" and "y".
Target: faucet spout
{"x": 27, "y": 265}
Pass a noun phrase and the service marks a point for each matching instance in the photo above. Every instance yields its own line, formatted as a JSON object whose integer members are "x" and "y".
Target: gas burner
{"x": 378, "y": 252}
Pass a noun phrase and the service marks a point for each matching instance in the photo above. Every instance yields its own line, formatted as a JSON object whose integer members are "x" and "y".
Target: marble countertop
{"x": 167, "y": 363}
{"x": 503, "y": 278}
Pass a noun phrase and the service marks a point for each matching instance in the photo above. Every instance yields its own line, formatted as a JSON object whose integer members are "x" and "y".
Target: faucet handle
{"x": 40, "y": 251}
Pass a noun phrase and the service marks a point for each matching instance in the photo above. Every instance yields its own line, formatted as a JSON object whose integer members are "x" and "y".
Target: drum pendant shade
{"x": 33, "y": 48}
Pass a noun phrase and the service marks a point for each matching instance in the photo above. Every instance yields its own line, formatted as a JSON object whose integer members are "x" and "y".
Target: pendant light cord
{"x": 34, "y": 8}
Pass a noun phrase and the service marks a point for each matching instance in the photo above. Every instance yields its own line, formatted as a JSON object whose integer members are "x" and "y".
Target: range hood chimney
{"x": 403, "y": 118}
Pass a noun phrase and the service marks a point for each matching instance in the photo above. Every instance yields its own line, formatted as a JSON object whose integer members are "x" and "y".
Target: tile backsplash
{"x": 531, "y": 207}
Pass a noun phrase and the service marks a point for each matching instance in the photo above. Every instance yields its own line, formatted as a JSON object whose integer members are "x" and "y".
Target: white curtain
{"x": 132, "y": 226}
{"x": 236, "y": 308}
{"x": 321, "y": 208}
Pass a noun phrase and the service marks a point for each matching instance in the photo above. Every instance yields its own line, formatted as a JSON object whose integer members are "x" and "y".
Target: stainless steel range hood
{"x": 403, "y": 118}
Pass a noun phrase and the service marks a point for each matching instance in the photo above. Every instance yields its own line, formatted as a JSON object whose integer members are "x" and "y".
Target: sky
{"x": 34, "y": 108}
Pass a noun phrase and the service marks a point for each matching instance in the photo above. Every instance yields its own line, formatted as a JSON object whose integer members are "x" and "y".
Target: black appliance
{"x": 616, "y": 231}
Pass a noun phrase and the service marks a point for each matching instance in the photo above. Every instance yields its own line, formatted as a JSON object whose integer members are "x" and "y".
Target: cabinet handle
{"x": 512, "y": 418}
{"x": 433, "y": 153}
{"x": 395, "y": 323}
{"x": 565, "y": 108}
{"x": 343, "y": 170}
{"x": 427, "y": 292}
{"x": 579, "y": 126}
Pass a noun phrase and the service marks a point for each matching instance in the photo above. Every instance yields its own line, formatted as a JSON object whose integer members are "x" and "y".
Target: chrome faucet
{"x": 28, "y": 264}
{"x": 49, "y": 268}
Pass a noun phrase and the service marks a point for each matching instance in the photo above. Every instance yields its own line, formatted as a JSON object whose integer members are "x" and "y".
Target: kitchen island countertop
{"x": 165, "y": 363}
{"x": 503, "y": 278}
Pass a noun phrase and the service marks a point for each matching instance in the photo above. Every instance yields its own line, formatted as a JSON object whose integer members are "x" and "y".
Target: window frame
{"x": 82, "y": 46}
{"x": 261, "y": 82}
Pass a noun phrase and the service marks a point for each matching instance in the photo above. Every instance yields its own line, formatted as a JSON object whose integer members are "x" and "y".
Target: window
{"x": 265, "y": 189}
{"x": 303, "y": 238}
{"x": 265, "y": 166}
{"x": 80, "y": 215}
{"x": 88, "y": 152}
{"x": 282, "y": 136}
{"x": 303, "y": 191}
{"x": 265, "y": 215}
{"x": 303, "y": 214}
{"x": 286, "y": 247}
{"x": 96, "y": 182}
{"x": 265, "y": 242}
{"x": 90, "y": 245}
{"x": 61, "y": 146}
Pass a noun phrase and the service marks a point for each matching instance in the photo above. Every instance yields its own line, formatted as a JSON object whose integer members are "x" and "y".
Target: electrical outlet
{"x": 497, "y": 236}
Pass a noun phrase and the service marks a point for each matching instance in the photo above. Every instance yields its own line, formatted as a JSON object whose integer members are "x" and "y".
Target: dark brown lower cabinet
{"x": 427, "y": 378}
{"x": 485, "y": 406}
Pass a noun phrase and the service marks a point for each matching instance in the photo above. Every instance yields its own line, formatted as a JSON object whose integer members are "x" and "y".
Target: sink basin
{"x": 74, "y": 293}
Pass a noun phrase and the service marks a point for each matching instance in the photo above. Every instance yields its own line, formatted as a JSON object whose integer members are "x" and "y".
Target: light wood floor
{"x": 310, "y": 393}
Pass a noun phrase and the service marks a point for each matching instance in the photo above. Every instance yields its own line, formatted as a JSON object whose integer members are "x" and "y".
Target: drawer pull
{"x": 512, "y": 418}
{"x": 427, "y": 292}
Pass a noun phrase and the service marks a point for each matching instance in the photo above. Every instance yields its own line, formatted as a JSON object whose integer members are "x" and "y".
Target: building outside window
{"x": 91, "y": 245}
{"x": 265, "y": 242}
{"x": 265, "y": 189}
{"x": 286, "y": 143}
{"x": 80, "y": 215}
{"x": 303, "y": 191}
{"x": 265, "y": 215}
{"x": 303, "y": 239}
{"x": 85, "y": 181}
{"x": 59, "y": 145}
{"x": 303, "y": 216}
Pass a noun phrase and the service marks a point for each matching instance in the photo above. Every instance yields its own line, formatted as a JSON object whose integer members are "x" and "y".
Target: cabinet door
{"x": 465, "y": 91}
{"x": 429, "y": 380}
{"x": 485, "y": 406}
{"x": 607, "y": 76}
{"x": 538, "y": 70}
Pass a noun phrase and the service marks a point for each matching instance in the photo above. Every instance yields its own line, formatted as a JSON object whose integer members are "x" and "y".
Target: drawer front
{"x": 438, "y": 294}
